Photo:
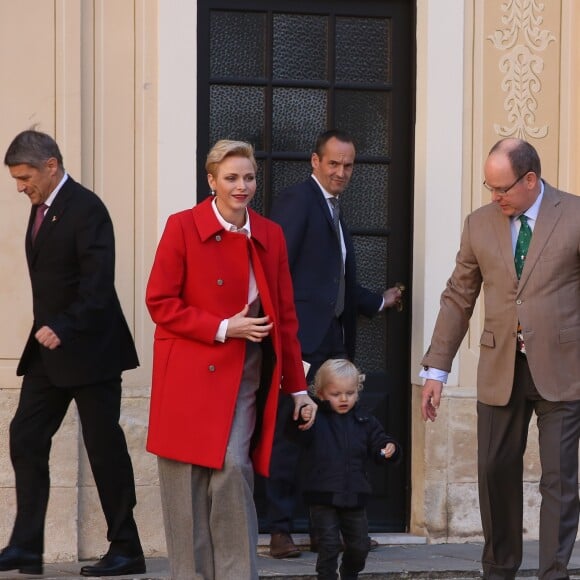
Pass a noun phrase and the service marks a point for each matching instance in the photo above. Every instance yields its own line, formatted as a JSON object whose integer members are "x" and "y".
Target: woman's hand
{"x": 254, "y": 329}
{"x": 303, "y": 404}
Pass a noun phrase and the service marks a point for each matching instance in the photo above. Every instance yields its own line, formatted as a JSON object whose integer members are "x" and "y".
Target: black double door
{"x": 277, "y": 74}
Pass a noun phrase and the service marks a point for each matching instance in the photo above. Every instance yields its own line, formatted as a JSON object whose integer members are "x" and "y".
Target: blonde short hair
{"x": 227, "y": 148}
{"x": 336, "y": 368}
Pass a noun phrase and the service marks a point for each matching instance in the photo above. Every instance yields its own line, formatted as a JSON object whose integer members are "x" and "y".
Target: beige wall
{"x": 520, "y": 78}
{"x": 107, "y": 79}
{"x": 85, "y": 72}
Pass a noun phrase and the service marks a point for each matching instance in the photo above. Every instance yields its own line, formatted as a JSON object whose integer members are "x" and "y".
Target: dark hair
{"x": 323, "y": 139}
{"x": 32, "y": 148}
{"x": 521, "y": 154}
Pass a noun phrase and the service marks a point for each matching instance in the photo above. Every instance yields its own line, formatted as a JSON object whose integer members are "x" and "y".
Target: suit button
{"x": 218, "y": 238}
{"x": 211, "y": 368}
{"x": 220, "y": 282}
{"x": 518, "y": 302}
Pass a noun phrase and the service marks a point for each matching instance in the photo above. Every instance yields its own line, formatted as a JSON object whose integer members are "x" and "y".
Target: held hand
{"x": 254, "y": 329}
{"x": 388, "y": 450}
{"x": 430, "y": 399}
{"x": 306, "y": 413}
{"x": 309, "y": 406}
{"x": 47, "y": 338}
{"x": 393, "y": 296}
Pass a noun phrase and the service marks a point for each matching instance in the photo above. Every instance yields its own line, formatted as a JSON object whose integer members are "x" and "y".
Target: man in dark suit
{"x": 77, "y": 348}
{"x": 524, "y": 249}
{"x": 327, "y": 297}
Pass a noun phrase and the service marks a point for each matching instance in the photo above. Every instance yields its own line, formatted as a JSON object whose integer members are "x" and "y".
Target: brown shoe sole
{"x": 287, "y": 554}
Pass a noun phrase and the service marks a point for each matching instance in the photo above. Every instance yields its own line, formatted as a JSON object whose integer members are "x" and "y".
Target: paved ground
{"x": 409, "y": 558}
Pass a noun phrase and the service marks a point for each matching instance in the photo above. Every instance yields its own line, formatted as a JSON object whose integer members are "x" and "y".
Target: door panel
{"x": 277, "y": 74}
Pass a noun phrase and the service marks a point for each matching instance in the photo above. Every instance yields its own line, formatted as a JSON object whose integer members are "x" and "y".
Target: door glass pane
{"x": 299, "y": 47}
{"x": 371, "y": 261}
{"x": 363, "y": 52}
{"x": 371, "y": 345}
{"x": 257, "y": 202}
{"x": 233, "y": 34}
{"x": 365, "y": 202}
{"x": 298, "y": 115}
{"x": 237, "y": 113}
{"x": 287, "y": 173}
{"x": 366, "y": 115}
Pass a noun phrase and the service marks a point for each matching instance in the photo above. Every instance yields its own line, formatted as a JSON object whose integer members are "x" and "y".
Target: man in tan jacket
{"x": 529, "y": 268}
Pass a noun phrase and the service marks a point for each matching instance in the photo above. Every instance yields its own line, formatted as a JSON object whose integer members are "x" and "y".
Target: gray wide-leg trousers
{"x": 210, "y": 518}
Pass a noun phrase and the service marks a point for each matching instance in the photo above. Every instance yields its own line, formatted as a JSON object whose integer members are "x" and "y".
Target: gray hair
{"x": 32, "y": 148}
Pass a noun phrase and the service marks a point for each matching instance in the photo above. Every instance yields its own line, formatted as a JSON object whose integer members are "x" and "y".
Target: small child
{"x": 337, "y": 486}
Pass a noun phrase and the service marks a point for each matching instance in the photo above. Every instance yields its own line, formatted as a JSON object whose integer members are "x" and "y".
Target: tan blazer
{"x": 546, "y": 300}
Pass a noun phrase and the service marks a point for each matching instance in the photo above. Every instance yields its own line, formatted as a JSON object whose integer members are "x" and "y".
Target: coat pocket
{"x": 570, "y": 334}
{"x": 487, "y": 339}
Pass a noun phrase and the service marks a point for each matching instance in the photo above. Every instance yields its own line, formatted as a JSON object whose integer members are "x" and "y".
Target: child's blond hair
{"x": 336, "y": 367}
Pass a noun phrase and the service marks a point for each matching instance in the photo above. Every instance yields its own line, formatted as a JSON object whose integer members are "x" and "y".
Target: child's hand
{"x": 306, "y": 413}
{"x": 388, "y": 451}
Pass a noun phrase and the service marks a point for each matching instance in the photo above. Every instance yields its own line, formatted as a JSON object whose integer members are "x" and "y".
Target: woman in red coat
{"x": 221, "y": 296}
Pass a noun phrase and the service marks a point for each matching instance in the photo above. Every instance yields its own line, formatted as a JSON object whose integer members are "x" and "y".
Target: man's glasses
{"x": 501, "y": 191}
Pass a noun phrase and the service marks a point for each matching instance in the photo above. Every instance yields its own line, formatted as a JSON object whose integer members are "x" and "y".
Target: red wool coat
{"x": 199, "y": 278}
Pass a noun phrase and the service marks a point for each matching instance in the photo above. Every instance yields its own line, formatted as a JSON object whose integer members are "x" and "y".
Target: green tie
{"x": 522, "y": 244}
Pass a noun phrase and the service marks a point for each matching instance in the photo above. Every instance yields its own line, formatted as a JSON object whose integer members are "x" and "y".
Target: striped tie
{"x": 339, "y": 307}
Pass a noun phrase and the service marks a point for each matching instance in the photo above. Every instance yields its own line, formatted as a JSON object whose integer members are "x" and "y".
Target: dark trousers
{"x": 40, "y": 412}
{"x": 282, "y": 485}
{"x": 328, "y": 523}
{"x": 502, "y": 438}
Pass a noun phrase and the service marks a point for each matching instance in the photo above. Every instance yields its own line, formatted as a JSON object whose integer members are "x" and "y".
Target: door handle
{"x": 400, "y": 303}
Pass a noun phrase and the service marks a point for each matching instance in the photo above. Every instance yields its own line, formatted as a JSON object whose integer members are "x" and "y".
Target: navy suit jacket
{"x": 314, "y": 258}
{"x": 72, "y": 269}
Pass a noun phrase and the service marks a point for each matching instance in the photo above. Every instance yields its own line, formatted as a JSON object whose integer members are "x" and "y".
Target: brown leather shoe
{"x": 282, "y": 546}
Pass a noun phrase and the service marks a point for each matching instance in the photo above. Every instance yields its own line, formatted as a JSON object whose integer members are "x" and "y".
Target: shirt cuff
{"x": 432, "y": 373}
{"x": 300, "y": 393}
{"x": 220, "y": 335}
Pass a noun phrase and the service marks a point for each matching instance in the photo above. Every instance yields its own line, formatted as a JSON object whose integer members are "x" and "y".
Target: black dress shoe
{"x": 12, "y": 557}
{"x": 115, "y": 565}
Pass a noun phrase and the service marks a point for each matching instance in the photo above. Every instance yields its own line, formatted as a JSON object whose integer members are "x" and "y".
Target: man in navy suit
{"x": 78, "y": 346}
{"x": 327, "y": 297}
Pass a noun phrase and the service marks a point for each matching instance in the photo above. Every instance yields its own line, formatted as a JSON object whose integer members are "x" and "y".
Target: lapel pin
{"x": 53, "y": 218}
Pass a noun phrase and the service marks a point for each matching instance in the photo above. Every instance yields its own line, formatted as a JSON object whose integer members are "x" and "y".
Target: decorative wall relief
{"x": 522, "y": 41}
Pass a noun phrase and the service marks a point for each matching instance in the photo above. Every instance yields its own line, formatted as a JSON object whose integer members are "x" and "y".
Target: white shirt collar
{"x": 532, "y": 212}
{"x": 326, "y": 194}
{"x": 227, "y": 225}
{"x": 50, "y": 198}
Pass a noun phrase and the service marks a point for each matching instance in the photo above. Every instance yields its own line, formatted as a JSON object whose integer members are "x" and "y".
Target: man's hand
{"x": 254, "y": 329}
{"x": 46, "y": 337}
{"x": 393, "y": 296}
{"x": 430, "y": 399}
{"x": 310, "y": 409}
